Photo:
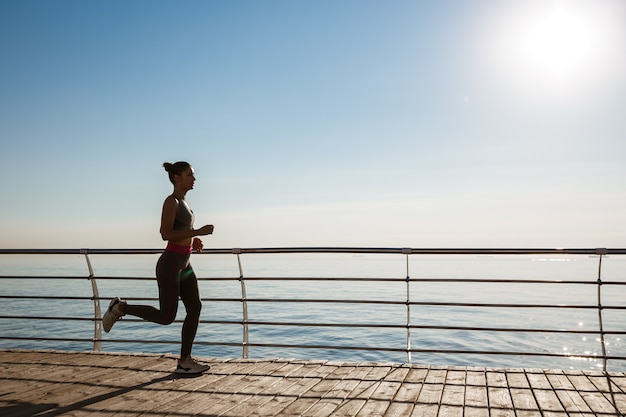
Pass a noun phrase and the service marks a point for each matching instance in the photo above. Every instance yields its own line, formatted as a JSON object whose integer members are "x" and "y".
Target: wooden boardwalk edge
{"x": 62, "y": 383}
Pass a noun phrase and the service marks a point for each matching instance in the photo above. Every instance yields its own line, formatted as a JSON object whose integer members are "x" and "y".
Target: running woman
{"x": 174, "y": 273}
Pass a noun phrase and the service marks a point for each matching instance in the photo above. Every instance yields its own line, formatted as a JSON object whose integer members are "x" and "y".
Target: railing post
{"x": 97, "y": 312}
{"x": 244, "y": 306}
{"x": 406, "y": 252}
{"x": 601, "y": 252}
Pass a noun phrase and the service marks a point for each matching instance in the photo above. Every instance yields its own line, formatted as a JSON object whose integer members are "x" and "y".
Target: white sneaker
{"x": 113, "y": 313}
{"x": 190, "y": 366}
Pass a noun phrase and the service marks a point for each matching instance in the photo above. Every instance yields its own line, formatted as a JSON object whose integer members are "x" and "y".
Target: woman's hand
{"x": 197, "y": 244}
{"x": 205, "y": 230}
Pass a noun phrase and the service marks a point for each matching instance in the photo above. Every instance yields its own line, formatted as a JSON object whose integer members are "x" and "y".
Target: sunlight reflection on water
{"x": 320, "y": 265}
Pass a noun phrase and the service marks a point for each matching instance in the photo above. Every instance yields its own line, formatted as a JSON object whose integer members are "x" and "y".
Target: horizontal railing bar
{"x": 169, "y": 342}
{"x": 105, "y": 278}
{"x": 431, "y": 327}
{"x": 46, "y": 339}
{"x": 331, "y": 347}
{"x": 350, "y": 325}
{"x": 52, "y": 318}
{"x": 45, "y": 297}
{"x": 419, "y": 303}
{"x": 416, "y": 280}
{"x": 275, "y": 250}
{"x": 47, "y": 277}
{"x": 346, "y": 279}
{"x": 338, "y": 301}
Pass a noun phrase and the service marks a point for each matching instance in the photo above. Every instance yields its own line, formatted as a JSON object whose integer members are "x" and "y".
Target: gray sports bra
{"x": 184, "y": 216}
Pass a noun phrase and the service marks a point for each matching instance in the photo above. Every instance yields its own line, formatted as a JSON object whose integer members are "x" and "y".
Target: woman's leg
{"x": 190, "y": 295}
{"x": 168, "y": 271}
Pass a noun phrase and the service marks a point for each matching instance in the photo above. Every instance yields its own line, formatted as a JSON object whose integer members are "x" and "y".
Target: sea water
{"x": 222, "y": 292}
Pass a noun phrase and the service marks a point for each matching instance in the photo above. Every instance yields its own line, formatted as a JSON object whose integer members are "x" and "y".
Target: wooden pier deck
{"x": 54, "y": 383}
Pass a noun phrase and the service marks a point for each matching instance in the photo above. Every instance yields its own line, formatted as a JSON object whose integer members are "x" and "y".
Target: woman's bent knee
{"x": 167, "y": 319}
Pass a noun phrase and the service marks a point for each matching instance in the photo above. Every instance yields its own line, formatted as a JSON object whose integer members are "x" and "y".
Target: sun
{"x": 558, "y": 42}
{"x": 549, "y": 54}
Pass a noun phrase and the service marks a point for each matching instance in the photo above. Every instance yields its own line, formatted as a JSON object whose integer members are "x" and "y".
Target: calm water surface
{"x": 216, "y": 292}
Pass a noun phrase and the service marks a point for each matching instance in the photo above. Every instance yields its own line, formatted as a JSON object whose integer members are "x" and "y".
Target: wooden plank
{"x": 496, "y": 379}
{"x": 157, "y": 396}
{"x": 349, "y": 408}
{"x": 408, "y": 392}
{"x": 386, "y": 390}
{"x": 64, "y": 389}
{"x": 598, "y": 402}
{"x": 299, "y": 406}
{"x": 319, "y": 405}
{"x": 573, "y": 402}
{"x": 528, "y": 413}
{"x": 456, "y": 377}
{"x": 599, "y": 381}
{"x": 277, "y": 396}
{"x": 475, "y": 402}
{"x": 571, "y": 399}
{"x": 416, "y": 375}
{"x": 99, "y": 385}
{"x": 364, "y": 390}
{"x": 476, "y": 378}
{"x": 538, "y": 380}
{"x": 547, "y": 401}
{"x": 501, "y": 412}
{"x": 374, "y": 407}
{"x": 618, "y": 380}
{"x": 333, "y": 399}
{"x": 324, "y": 406}
{"x": 377, "y": 373}
{"x": 398, "y": 374}
{"x": 450, "y": 411}
{"x": 620, "y": 402}
{"x": 558, "y": 380}
{"x": 523, "y": 399}
{"x": 453, "y": 395}
{"x": 219, "y": 405}
{"x": 425, "y": 410}
{"x": 399, "y": 409}
{"x": 580, "y": 382}
{"x": 141, "y": 398}
{"x": 243, "y": 396}
{"x": 517, "y": 380}
{"x": 430, "y": 394}
{"x": 380, "y": 399}
{"x": 436, "y": 376}
{"x": 342, "y": 389}
{"x": 499, "y": 398}
{"x": 273, "y": 407}
{"x": 476, "y": 397}
{"x": 475, "y": 411}
{"x": 280, "y": 395}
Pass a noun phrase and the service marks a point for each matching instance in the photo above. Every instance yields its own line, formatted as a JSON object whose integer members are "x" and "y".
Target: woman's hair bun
{"x": 176, "y": 168}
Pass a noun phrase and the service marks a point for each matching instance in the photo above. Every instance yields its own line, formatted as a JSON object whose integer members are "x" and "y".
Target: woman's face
{"x": 186, "y": 179}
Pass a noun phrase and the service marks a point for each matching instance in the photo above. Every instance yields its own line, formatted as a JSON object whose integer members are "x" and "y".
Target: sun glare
{"x": 558, "y": 42}
{"x": 550, "y": 52}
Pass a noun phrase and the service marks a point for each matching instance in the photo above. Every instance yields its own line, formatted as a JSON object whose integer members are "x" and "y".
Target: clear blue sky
{"x": 482, "y": 123}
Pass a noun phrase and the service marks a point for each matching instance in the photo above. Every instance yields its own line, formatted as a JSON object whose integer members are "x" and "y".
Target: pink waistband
{"x": 173, "y": 247}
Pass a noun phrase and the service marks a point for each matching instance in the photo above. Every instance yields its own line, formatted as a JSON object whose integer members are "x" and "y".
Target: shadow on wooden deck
{"x": 45, "y": 383}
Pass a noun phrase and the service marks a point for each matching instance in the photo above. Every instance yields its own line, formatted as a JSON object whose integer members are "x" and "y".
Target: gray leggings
{"x": 176, "y": 279}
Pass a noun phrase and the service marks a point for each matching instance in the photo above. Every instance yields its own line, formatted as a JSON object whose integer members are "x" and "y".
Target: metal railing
{"x": 407, "y": 302}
